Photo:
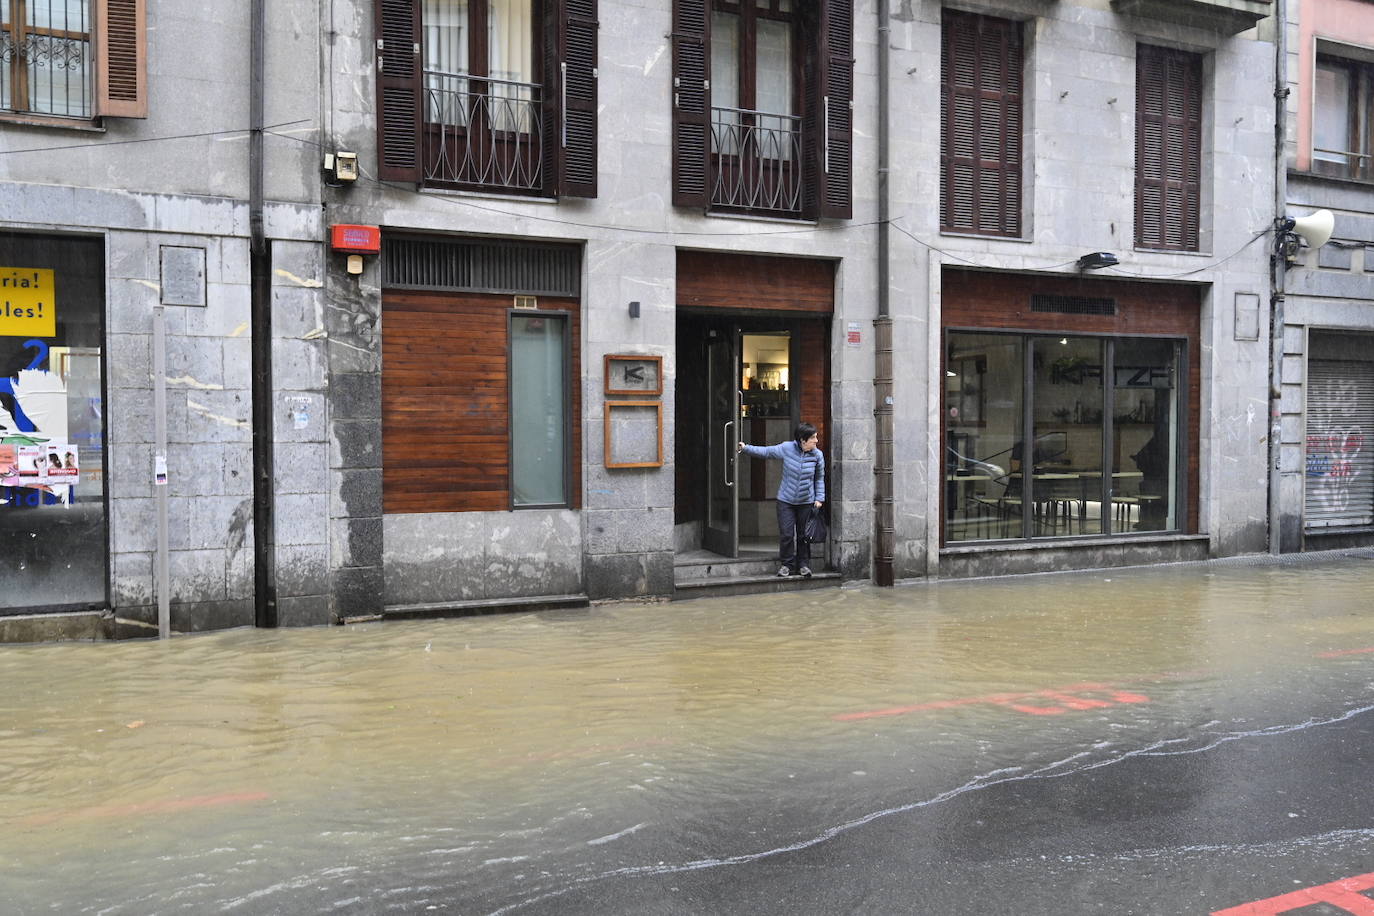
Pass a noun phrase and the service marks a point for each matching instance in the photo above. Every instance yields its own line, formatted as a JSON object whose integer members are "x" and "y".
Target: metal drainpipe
{"x": 260, "y": 274}
{"x": 885, "y": 529}
{"x": 1278, "y": 271}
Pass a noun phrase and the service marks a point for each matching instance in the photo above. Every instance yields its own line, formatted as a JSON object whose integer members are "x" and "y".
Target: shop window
{"x": 64, "y": 59}
{"x": 1168, "y": 148}
{"x": 980, "y": 125}
{"x": 52, "y": 428}
{"x": 1342, "y": 144}
{"x": 1060, "y": 436}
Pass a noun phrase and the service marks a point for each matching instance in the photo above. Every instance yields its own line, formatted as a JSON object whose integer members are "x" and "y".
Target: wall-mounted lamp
{"x": 1096, "y": 260}
{"x": 634, "y": 309}
{"x": 355, "y": 241}
{"x": 1315, "y": 229}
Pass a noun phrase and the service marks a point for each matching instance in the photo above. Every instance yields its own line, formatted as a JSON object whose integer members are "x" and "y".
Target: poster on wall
{"x": 49, "y": 464}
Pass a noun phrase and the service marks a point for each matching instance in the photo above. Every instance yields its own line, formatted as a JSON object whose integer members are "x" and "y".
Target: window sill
{"x": 1173, "y": 251}
{"x": 1360, "y": 183}
{"x": 489, "y": 195}
{"x": 945, "y": 233}
{"x": 85, "y": 125}
{"x": 1091, "y": 541}
{"x": 761, "y": 218}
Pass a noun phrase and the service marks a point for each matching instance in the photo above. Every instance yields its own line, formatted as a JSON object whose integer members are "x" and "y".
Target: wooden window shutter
{"x": 122, "y": 59}
{"x": 980, "y": 125}
{"x": 570, "y": 92}
{"x": 1168, "y": 148}
{"x": 398, "y": 90}
{"x": 691, "y": 104}
{"x": 828, "y": 190}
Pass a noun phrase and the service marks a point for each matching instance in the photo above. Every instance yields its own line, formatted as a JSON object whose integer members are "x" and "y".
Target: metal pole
{"x": 160, "y": 572}
{"x": 884, "y": 546}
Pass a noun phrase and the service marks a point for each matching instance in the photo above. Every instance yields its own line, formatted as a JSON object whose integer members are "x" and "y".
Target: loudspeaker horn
{"x": 1315, "y": 228}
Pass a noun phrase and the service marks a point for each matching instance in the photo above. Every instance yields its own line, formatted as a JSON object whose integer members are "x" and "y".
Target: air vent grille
{"x": 1072, "y": 305}
{"x": 481, "y": 266}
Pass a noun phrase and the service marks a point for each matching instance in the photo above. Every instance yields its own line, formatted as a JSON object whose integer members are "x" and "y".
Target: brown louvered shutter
{"x": 691, "y": 104}
{"x": 122, "y": 66}
{"x": 827, "y": 114}
{"x": 980, "y": 125}
{"x": 398, "y": 90}
{"x": 1168, "y": 148}
{"x": 570, "y": 82}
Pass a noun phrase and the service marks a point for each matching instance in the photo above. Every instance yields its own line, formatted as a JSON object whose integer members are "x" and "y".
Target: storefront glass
{"x": 52, "y": 426}
{"x": 1079, "y": 426}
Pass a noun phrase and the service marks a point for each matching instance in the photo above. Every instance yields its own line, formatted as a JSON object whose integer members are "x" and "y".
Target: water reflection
{"x": 501, "y": 759}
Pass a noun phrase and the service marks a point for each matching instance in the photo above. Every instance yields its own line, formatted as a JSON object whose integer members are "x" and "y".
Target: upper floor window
{"x": 72, "y": 58}
{"x": 489, "y": 94}
{"x": 1168, "y": 148}
{"x": 980, "y": 125}
{"x": 1342, "y": 144}
{"x": 762, "y": 95}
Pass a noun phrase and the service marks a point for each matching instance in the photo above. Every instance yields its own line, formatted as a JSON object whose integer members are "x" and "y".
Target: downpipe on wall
{"x": 260, "y": 273}
{"x": 1278, "y": 275}
{"x": 884, "y": 546}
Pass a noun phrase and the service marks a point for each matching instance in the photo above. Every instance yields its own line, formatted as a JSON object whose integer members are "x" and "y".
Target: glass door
{"x": 721, "y": 531}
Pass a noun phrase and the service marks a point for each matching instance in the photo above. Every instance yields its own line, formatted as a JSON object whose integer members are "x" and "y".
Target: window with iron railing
{"x": 1342, "y": 140}
{"x": 762, "y": 112}
{"x": 489, "y": 94}
{"x": 72, "y": 59}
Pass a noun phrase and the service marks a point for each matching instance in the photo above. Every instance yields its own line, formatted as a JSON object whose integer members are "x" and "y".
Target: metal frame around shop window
{"x": 568, "y": 430}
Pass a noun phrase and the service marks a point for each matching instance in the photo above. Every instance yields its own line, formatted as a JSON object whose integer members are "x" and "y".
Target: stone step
{"x": 687, "y": 589}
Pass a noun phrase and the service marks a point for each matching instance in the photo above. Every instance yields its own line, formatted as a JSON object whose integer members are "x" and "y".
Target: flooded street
{"x": 517, "y": 763}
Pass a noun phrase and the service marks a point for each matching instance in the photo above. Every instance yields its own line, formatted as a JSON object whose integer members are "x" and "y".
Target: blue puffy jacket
{"x": 803, "y": 473}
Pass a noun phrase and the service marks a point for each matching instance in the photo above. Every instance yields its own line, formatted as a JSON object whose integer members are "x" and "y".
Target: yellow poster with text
{"x": 26, "y": 302}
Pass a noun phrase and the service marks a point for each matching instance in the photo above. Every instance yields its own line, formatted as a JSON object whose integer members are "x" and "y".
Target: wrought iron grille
{"x": 45, "y": 57}
{"x": 756, "y": 161}
{"x": 1072, "y": 305}
{"x": 481, "y": 266}
{"x": 483, "y": 132}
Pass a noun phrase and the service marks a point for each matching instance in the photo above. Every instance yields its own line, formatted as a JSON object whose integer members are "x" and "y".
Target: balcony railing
{"x": 756, "y": 161}
{"x": 482, "y": 132}
{"x": 1343, "y": 164}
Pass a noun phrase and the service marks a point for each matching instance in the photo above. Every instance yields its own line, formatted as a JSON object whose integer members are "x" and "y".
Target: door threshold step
{"x": 719, "y": 587}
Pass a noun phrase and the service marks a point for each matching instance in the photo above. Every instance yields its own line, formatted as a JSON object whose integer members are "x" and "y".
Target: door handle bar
{"x": 729, "y": 455}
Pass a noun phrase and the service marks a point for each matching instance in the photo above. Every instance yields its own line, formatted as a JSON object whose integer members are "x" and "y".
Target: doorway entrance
{"x": 740, "y": 378}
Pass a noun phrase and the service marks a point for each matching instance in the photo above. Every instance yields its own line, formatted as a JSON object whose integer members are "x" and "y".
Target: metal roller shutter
{"x": 1340, "y": 444}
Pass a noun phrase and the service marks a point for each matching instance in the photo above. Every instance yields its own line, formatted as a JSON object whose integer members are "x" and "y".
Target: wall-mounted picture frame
{"x": 633, "y": 434}
{"x": 628, "y": 374}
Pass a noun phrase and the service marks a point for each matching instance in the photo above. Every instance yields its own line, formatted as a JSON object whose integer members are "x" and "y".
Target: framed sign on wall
{"x": 634, "y": 375}
{"x": 634, "y": 434}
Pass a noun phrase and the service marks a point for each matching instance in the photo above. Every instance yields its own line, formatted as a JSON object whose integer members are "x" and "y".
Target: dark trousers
{"x": 794, "y": 550}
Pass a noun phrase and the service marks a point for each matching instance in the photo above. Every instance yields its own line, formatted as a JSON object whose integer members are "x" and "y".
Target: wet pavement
{"x": 1178, "y": 739}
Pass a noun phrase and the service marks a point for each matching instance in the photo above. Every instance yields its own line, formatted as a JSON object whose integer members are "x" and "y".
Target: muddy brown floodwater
{"x": 473, "y": 765}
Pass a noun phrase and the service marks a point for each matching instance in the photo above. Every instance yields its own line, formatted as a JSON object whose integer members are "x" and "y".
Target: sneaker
{"x": 784, "y": 572}
{"x": 805, "y": 572}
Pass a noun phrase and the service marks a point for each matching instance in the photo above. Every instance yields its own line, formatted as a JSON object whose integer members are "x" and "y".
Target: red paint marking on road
{"x": 1344, "y": 894}
{"x": 1061, "y": 700}
{"x": 135, "y": 809}
{"x": 1342, "y": 652}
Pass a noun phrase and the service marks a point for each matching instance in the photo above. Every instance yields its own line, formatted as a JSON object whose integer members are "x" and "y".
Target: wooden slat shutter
{"x": 980, "y": 125}
{"x": 828, "y": 190}
{"x": 691, "y": 104}
{"x": 122, "y": 59}
{"x": 828, "y": 80}
{"x": 398, "y": 90}
{"x": 1168, "y": 148}
{"x": 570, "y": 92}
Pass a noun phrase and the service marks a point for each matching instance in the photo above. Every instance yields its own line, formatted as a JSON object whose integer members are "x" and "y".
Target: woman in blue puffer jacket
{"x": 801, "y": 492}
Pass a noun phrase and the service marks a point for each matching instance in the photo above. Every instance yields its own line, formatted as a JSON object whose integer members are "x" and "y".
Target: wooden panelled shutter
{"x": 980, "y": 125}
{"x": 122, "y": 59}
{"x": 1168, "y": 148}
{"x": 570, "y": 91}
{"x": 691, "y": 104}
{"x": 828, "y": 112}
{"x": 398, "y": 90}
